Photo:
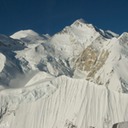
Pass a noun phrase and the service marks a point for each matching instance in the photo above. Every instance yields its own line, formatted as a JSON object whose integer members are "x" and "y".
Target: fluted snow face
{"x": 70, "y": 101}
{"x": 75, "y": 79}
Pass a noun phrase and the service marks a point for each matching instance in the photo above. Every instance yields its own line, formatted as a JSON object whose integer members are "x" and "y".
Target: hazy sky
{"x": 50, "y": 16}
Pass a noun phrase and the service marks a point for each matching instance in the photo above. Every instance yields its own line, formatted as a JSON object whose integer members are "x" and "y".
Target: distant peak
{"x": 112, "y": 34}
{"x": 23, "y": 33}
{"x": 81, "y": 20}
{"x": 124, "y": 34}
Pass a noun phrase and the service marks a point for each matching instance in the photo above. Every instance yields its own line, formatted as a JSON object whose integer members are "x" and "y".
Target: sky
{"x": 51, "y": 16}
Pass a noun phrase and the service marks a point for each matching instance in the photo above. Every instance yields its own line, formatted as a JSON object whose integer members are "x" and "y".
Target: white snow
{"x": 2, "y": 61}
{"x": 23, "y": 34}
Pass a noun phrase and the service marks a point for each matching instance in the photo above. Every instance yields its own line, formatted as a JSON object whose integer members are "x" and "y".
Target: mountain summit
{"x": 75, "y": 79}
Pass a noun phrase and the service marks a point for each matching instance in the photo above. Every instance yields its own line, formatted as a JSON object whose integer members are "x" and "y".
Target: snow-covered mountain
{"x": 76, "y": 78}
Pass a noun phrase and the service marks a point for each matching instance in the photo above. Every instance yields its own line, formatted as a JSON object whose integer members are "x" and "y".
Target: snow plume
{"x": 21, "y": 79}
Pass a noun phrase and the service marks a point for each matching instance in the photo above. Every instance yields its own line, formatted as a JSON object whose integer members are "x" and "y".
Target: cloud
{"x": 21, "y": 79}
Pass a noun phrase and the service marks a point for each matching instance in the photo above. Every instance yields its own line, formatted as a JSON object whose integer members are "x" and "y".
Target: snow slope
{"x": 75, "y": 79}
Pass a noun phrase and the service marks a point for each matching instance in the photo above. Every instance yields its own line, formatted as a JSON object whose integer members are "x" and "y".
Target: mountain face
{"x": 76, "y": 78}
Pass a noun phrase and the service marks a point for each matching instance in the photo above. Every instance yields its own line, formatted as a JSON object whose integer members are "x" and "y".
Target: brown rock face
{"x": 91, "y": 60}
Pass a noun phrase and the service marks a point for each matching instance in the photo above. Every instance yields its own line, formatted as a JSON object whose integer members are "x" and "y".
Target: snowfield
{"x": 77, "y": 78}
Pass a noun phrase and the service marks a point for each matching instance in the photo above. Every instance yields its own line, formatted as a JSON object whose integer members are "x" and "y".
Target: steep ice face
{"x": 63, "y": 102}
